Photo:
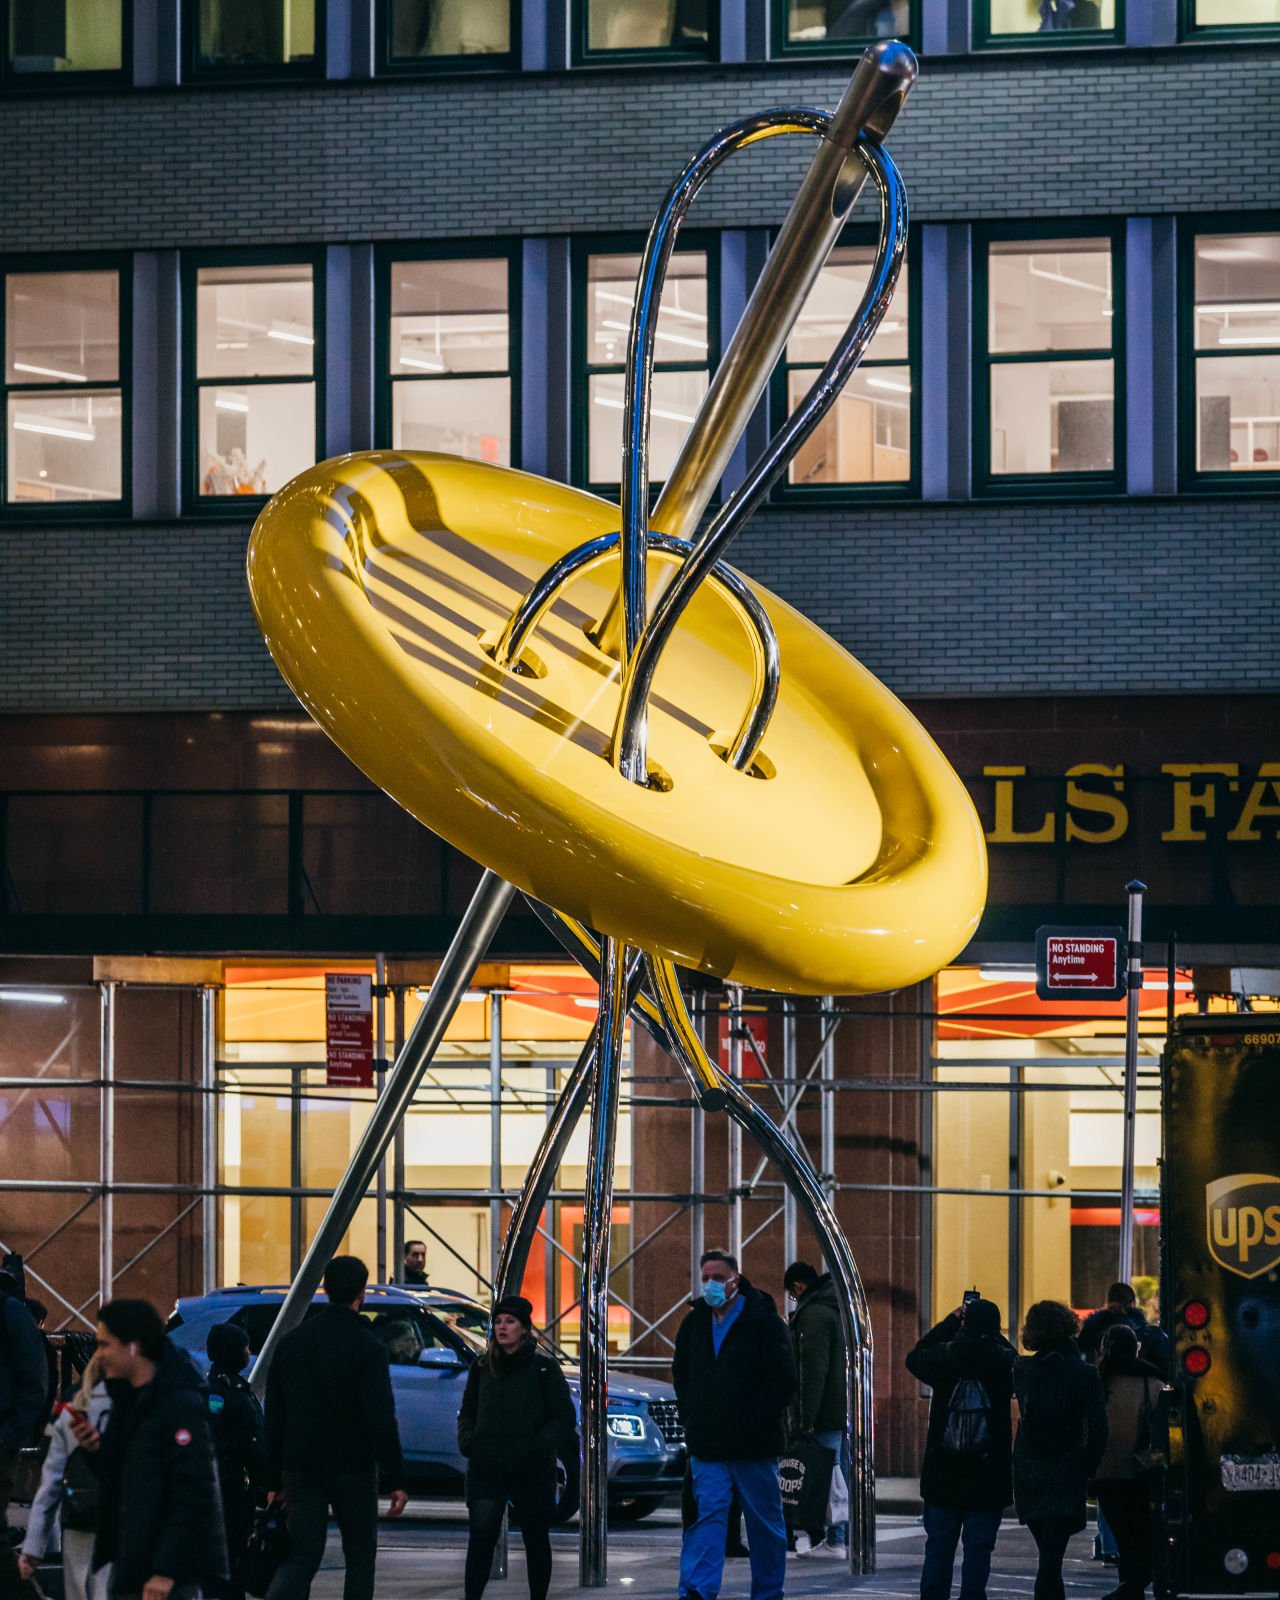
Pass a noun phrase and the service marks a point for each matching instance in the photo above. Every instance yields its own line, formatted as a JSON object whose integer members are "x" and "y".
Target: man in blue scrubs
{"x": 734, "y": 1373}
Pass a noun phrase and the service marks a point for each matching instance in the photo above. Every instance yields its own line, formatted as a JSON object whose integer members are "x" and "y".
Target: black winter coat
{"x": 238, "y": 1429}
{"x": 330, "y": 1408}
{"x": 943, "y": 1358}
{"x": 24, "y": 1375}
{"x": 160, "y": 1509}
{"x": 1153, "y": 1342}
{"x": 734, "y": 1405}
{"x": 1057, "y": 1485}
{"x": 821, "y": 1402}
{"x": 514, "y": 1420}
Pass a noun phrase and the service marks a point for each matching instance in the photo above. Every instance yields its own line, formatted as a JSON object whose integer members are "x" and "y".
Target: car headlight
{"x": 622, "y": 1425}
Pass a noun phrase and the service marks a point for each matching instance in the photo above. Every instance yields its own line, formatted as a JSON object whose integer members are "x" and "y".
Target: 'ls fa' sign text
{"x": 1093, "y": 803}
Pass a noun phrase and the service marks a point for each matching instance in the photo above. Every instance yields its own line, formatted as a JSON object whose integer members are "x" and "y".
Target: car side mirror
{"x": 439, "y": 1356}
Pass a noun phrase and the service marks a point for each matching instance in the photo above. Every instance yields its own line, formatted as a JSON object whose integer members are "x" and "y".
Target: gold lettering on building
{"x": 1096, "y": 802}
{"x": 1257, "y": 805}
{"x": 1003, "y": 831}
{"x": 1195, "y": 801}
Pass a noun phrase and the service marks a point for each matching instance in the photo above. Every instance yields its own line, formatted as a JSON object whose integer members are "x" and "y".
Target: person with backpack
{"x": 24, "y": 1392}
{"x": 966, "y": 1477}
{"x": 238, "y": 1429}
{"x": 1133, "y": 1390}
{"x": 517, "y": 1416}
{"x": 69, "y": 1484}
{"x": 820, "y": 1408}
{"x": 1062, "y": 1432}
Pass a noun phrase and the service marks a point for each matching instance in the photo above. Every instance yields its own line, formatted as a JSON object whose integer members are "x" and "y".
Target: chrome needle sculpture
{"x": 811, "y": 839}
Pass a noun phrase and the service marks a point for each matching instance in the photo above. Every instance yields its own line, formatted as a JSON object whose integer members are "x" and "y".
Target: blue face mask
{"x": 715, "y": 1293}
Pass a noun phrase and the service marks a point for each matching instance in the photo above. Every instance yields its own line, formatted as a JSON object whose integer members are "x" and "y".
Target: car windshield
{"x": 405, "y": 1330}
{"x": 469, "y": 1322}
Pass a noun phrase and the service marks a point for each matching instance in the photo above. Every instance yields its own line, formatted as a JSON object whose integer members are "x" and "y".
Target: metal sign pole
{"x": 1135, "y": 891}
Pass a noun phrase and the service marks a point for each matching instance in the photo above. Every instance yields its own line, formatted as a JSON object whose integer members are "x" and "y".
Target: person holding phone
{"x": 69, "y": 1485}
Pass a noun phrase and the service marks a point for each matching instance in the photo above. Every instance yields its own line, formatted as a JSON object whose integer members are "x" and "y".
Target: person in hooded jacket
{"x": 517, "y": 1415}
{"x": 1062, "y": 1431}
{"x": 1122, "y": 1308}
{"x": 23, "y": 1393}
{"x": 967, "y": 1475}
{"x": 68, "y": 1483}
{"x": 820, "y": 1407}
{"x": 734, "y": 1375}
{"x": 160, "y": 1515}
{"x": 238, "y": 1430}
{"x": 1122, "y": 1482}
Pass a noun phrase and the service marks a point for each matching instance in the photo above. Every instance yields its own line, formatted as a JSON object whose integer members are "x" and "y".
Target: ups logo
{"x": 1244, "y": 1223}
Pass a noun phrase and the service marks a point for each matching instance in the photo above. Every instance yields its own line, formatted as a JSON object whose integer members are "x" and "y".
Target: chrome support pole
{"x": 597, "y": 1223}
{"x": 106, "y": 1140}
{"x": 1135, "y": 891}
{"x": 827, "y": 1095}
{"x": 479, "y": 924}
{"x": 789, "y": 1071}
{"x": 397, "y": 1143}
{"x": 734, "y": 1155}
{"x": 209, "y": 1138}
{"x": 495, "y": 1134}
{"x": 380, "y": 1078}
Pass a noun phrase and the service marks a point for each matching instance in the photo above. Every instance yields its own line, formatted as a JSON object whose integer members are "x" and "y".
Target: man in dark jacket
{"x": 239, "y": 1443}
{"x": 1122, "y": 1306}
{"x": 160, "y": 1518}
{"x": 331, "y": 1424}
{"x": 24, "y": 1377}
{"x": 734, "y": 1374}
{"x": 821, "y": 1404}
{"x": 967, "y": 1478}
{"x": 413, "y": 1269}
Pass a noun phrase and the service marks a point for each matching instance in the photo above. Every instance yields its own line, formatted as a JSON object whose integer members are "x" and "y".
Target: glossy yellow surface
{"x": 857, "y": 865}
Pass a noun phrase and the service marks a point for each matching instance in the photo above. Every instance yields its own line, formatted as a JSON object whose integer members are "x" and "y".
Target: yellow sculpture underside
{"x": 851, "y": 862}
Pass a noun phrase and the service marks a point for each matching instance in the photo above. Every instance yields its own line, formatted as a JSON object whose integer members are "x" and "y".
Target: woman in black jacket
{"x": 1133, "y": 1388}
{"x": 160, "y": 1516}
{"x": 516, "y": 1415}
{"x": 1062, "y": 1431}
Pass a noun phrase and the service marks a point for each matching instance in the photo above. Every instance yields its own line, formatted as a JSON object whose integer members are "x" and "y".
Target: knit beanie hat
{"x": 982, "y": 1316}
{"x": 227, "y": 1347}
{"x": 515, "y": 1305}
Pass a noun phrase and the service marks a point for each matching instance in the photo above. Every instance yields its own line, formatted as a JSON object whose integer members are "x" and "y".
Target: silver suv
{"x": 431, "y": 1337}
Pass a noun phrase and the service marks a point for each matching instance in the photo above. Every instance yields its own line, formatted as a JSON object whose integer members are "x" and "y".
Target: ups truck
{"x": 1220, "y": 1297}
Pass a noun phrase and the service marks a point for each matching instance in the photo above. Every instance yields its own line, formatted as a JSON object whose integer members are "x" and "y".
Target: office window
{"x": 449, "y": 356}
{"x": 681, "y": 363}
{"x": 833, "y": 27}
{"x": 1236, "y": 15}
{"x": 644, "y": 28}
{"x": 1236, "y": 343}
{"x": 866, "y": 437}
{"x": 76, "y": 41}
{"x": 1047, "y": 21}
{"x": 255, "y": 385}
{"x": 1047, "y": 312}
{"x": 434, "y": 33}
{"x": 64, "y": 398}
{"x": 254, "y": 38}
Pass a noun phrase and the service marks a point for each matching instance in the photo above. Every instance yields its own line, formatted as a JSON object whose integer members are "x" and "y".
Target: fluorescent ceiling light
{"x": 1210, "y": 308}
{"x": 663, "y": 309}
{"x": 1245, "y": 338}
{"x": 654, "y": 411}
{"x": 888, "y": 383}
{"x": 33, "y": 997}
{"x": 426, "y": 366}
{"x": 471, "y": 994}
{"x": 1227, "y": 252}
{"x": 661, "y": 333}
{"x": 290, "y": 333}
{"x": 57, "y": 430}
{"x": 1007, "y": 974}
{"x": 229, "y": 402}
{"x": 49, "y": 372}
{"x": 587, "y": 1002}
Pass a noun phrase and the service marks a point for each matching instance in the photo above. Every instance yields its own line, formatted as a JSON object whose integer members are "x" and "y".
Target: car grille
{"x": 666, "y": 1413}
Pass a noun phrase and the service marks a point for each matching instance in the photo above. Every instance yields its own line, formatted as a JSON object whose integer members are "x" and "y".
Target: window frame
{"x": 1191, "y": 31}
{"x": 582, "y": 55}
{"x": 787, "y": 493}
{"x": 1190, "y": 476}
{"x": 283, "y": 72}
{"x": 1057, "y": 485}
{"x": 691, "y": 241}
{"x": 120, "y": 77}
{"x": 984, "y": 38}
{"x": 193, "y": 261}
{"x": 385, "y": 65}
{"x": 388, "y": 253}
{"x": 783, "y": 49}
{"x": 121, "y": 263}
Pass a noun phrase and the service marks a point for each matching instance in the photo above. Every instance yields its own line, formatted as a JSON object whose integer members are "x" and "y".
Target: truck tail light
{"x": 1197, "y": 1361}
{"x": 1195, "y": 1314}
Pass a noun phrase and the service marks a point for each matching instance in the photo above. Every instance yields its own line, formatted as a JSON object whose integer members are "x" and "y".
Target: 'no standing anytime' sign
{"x": 1080, "y": 963}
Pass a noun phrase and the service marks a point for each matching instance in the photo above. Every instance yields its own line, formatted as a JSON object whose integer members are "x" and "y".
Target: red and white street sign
{"x": 1080, "y": 963}
{"x": 348, "y": 1030}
